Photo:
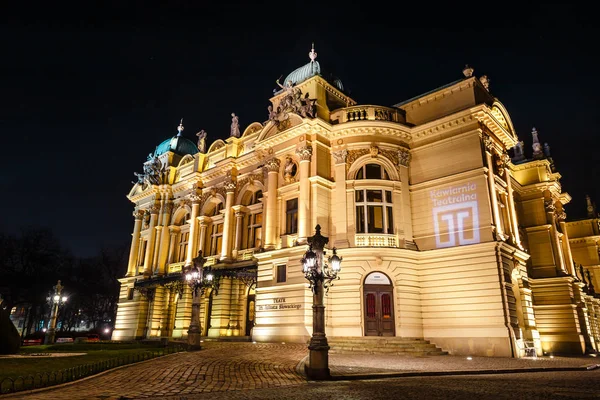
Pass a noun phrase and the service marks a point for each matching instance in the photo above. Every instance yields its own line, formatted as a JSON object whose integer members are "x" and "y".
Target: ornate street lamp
{"x": 320, "y": 276}
{"x": 198, "y": 278}
{"x": 55, "y": 300}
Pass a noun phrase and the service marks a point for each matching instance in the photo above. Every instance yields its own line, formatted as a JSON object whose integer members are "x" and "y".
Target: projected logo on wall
{"x": 455, "y": 215}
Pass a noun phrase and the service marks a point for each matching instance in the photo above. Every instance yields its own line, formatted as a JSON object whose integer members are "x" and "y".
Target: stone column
{"x": 193, "y": 239}
{"x": 567, "y": 247}
{"x": 135, "y": 242}
{"x": 240, "y": 211}
{"x": 272, "y": 167}
{"x": 163, "y": 250}
{"x": 305, "y": 155}
{"x": 340, "y": 214}
{"x": 511, "y": 202}
{"x": 489, "y": 148}
{"x": 226, "y": 246}
{"x": 151, "y": 239}
{"x": 174, "y": 230}
{"x": 204, "y": 221}
{"x": 403, "y": 164}
{"x": 556, "y": 245}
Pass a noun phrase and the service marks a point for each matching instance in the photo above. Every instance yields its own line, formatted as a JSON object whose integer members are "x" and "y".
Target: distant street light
{"x": 320, "y": 275}
{"x": 56, "y": 300}
{"x": 198, "y": 280}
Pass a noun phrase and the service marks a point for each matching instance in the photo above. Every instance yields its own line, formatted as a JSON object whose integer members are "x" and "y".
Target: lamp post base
{"x": 49, "y": 338}
{"x": 318, "y": 360}
{"x": 193, "y": 341}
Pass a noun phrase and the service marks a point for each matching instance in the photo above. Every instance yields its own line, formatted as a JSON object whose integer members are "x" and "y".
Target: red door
{"x": 379, "y": 311}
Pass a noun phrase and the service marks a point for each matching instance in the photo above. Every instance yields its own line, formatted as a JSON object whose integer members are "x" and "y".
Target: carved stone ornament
{"x": 168, "y": 207}
{"x": 292, "y": 102}
{"x": 230, "y": 186}
{"x": 185, "y": 202}
{"x": 138, "y": 214}
{"x": 561, "y": 215}
{"x": 549, "y": 205}
{"x": 403, "y": 157}
{"x": 340, "y": 156}
{"x": 289, "y": 170}
{"x": 272, "y": 165}
{"x": 488, "y": 142}
{"x": 374, "y": 151}
{"x": 195, "y": 198}
{"x": 304, "y": 153}
{"x": 154, "y": 209}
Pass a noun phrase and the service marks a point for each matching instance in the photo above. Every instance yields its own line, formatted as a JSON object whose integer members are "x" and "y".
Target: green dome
{"x": 303, "y": 73}
{"x": 178, "y": 145}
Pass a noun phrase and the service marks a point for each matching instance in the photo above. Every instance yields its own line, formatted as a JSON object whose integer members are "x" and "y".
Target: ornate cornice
{"x": 304, "y": 153}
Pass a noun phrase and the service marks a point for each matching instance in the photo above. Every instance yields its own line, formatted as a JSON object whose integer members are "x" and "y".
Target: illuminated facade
{"x": 433, "y": 220}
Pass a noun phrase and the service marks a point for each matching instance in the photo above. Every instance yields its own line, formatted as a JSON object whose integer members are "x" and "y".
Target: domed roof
{"x": 303, "y": 73}
{"x": 177, "y": 144}
{"x": 309, "y": 70}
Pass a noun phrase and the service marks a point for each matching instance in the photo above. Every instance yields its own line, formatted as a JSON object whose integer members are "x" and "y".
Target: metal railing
{"x": 46, "y": 379}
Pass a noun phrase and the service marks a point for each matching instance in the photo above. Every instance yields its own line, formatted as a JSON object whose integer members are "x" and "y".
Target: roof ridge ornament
{"x": 313, "y": 54}
{"x": 468, "y": 71}
{"x": 180, "y": 128}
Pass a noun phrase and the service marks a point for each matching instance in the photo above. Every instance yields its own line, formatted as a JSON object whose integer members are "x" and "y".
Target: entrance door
{"x": 379, "y": 306}
{"x": 250, "y": 314}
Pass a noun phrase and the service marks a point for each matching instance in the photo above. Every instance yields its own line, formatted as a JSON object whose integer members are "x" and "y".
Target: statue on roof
{"x": 537, "y": 147}
{"x": 201, "y": 141}
{"x": 519, "y": 152}
{"x": 288, "y": 86}
{"x": 308, "y": 108}
{"x": 235, "y": 126}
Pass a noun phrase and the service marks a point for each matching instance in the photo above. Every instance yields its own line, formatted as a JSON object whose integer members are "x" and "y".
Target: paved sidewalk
{"x": 221, "y": 367}
{"x": 365, "y": 366}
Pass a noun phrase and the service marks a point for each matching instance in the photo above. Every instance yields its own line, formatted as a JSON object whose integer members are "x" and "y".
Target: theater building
{"x": 443, "y": 236}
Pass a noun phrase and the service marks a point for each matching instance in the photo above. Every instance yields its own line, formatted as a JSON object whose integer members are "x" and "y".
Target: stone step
{"x": 384, "y": 345}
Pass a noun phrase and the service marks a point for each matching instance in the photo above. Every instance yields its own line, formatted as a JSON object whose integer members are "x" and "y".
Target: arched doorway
{"x": 250, "y": 310}
{"x": 378, "y": 299}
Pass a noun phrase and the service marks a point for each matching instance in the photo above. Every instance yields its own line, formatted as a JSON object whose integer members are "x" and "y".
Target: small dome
{"x": 303, "y": 73}
{"x": 307, "y": 71}
{"x": 178, "y": 145}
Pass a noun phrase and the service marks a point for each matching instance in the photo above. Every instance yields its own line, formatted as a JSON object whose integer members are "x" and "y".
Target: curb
{"x": 384, "y": 375}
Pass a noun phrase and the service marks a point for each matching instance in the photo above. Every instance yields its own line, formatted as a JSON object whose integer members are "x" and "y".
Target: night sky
{"x": 87, "y": 93}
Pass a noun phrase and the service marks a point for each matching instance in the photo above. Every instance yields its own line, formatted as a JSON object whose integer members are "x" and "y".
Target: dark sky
{"x": 87, "y": 93}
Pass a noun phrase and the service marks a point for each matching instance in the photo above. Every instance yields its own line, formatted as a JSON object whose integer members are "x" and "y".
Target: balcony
{"x": 176, "y": 267}
{"x": 371, "y": 240}
{"x": 367, "y": 113}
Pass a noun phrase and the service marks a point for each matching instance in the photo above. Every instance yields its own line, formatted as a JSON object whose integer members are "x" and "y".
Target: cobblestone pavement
{"x": 355, "y": 364}
{"x": 238, "y": 367}
{"x": 218, "y": 367}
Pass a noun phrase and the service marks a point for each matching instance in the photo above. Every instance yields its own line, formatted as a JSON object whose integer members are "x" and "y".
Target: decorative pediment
{"x": 252, "y": 128}
{"x": 272, "y": 129}
{"x": 217, "y": 144}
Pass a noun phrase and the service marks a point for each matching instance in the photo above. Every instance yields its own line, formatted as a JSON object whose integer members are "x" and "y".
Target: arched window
{"x": 251, "y": 198}
{"x": 372, "y": 171}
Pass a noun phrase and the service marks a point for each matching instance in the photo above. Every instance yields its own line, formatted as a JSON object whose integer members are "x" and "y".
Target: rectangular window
{"x": 281, "y": 273}
{"x": 374, "y": 196}
{"x": 142, "y": 253}
{"x": 254, "y": 238}
{"x": 216, "y": 239}
{"x": 183, "y": 246}
{"x": 375, "y": 219}
{"x": 390, "y": 220}
{"x": 360, "y": 219}
{"x": 291, "y": 216}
